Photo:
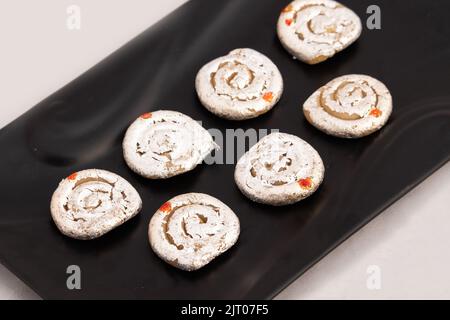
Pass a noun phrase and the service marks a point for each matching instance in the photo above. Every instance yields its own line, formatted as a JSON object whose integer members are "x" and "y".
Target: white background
{"x": 409, "y": 241}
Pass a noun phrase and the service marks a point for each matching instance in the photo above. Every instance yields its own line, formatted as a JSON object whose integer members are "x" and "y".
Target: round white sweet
{"x": 315, "y": 30}
{"x": 280, "y": 169}
{"x": 163, "y": 144}
{"x": 350, "y": 106}
{"x": 90, "y": 203}
{"x": 242, "y": 85}
{"x": 192, "y": 229}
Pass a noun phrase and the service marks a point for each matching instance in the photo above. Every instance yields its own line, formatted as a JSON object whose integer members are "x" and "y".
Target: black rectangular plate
{"x": 82, "y": 126}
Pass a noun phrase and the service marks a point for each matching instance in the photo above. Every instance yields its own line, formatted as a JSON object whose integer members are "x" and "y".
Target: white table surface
{"x": 408, "y": 242}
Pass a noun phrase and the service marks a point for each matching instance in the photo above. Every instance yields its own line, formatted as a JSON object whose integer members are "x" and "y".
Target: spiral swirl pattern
{"x": 280, "y": 169}
{"x": 315, "y": 30}
{"x": 90, "y": 203}
{"x": 190, "y": 230}
{"x": 242, "y": 85}
{"x": 350, "y": 106}
{"x": 164, "y": 144}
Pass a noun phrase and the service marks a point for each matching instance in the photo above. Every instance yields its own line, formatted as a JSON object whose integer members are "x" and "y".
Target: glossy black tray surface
{"x": 82, "y": 126}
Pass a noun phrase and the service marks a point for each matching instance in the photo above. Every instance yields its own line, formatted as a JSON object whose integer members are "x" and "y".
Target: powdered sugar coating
{"x": 242, "y": 85}
{"x": 315, "y": 30}
{"x": 163, "y": 144}
{"x": 90, "y": 203}
{"x": 280, "y": 169}
{"x": 192, "y": 229}
{"x": 350, "y": 106}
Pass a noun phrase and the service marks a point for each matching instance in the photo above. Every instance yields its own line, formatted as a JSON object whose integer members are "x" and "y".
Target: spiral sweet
{"x": 192, "y": 229}
{"x": 350, "y": 106}
{"x": 242, "y": 85}
{"x": 90, "y": 203}
{"x": 315, "y": 30}
{"x": 280, "y": 169}
{"x": 164, "y": 144}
